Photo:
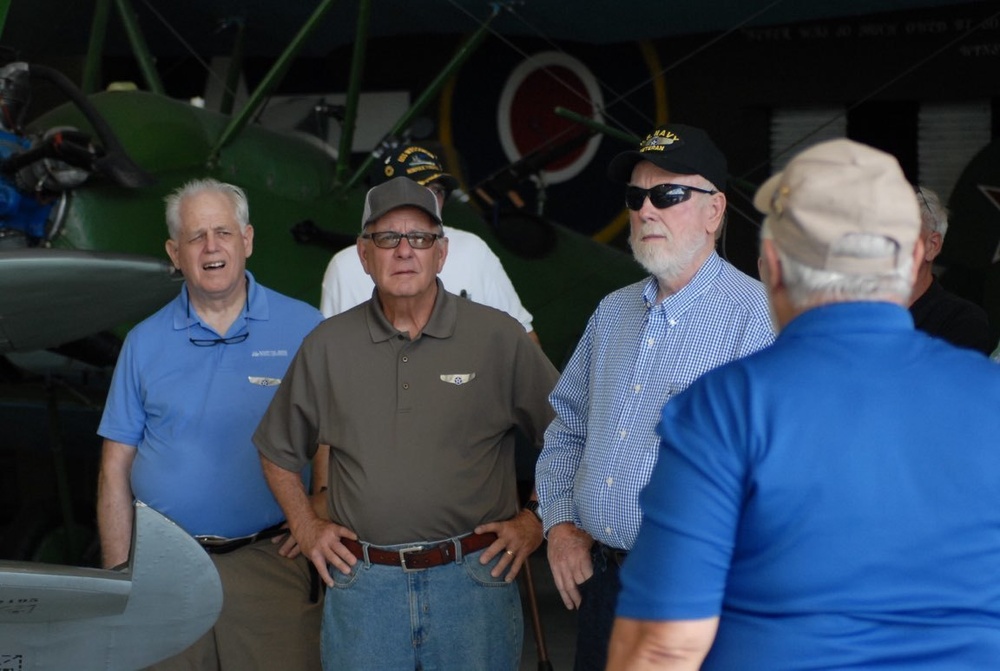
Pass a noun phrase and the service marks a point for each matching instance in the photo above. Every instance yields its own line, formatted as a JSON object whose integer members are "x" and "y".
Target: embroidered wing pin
{"x": 458, "y": 378}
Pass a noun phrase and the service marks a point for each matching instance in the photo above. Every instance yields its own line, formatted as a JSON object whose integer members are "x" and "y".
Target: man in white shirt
{"x": 473, "y": 271}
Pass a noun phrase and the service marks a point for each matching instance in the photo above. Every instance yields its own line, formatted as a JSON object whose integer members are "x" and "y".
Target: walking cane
{"x": 536, "y": 620}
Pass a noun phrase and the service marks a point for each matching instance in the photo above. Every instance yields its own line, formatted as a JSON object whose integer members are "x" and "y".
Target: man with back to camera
{"x": 644, "y": 344}
{"x": 418, "y": 394}
{"x": 473, "y": 270}
{"x": 191, "y": 383}
{"x": 936, "y": 310}
{"x": 805, "y": 513}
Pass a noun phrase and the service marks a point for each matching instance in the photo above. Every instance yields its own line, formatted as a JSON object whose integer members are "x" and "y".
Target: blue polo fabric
{"x": 834, "y": 499}
{"x": 191, "y": 410}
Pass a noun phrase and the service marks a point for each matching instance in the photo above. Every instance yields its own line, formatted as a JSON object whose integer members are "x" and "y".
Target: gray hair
{"x": 241, "y": 209}
{"x": 808, "y": 286}
{"x": 933, "y": 213}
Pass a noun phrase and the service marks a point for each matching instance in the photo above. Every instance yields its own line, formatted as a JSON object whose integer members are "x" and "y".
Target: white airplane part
{"x": 63, "y": 617}
{"x": 49, "y": 297}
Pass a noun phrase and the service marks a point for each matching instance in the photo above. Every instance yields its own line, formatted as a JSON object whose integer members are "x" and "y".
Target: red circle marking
{"x": 533, "y": 122}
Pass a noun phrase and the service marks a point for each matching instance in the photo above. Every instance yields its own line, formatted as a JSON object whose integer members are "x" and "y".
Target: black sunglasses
{"x": 661, "y": 196}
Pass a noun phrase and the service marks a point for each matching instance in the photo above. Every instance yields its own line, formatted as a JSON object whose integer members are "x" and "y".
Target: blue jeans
{"x": 454, "y": 616}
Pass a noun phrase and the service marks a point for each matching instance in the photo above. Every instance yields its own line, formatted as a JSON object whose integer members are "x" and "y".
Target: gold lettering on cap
{"x": 658, "y": 140}
{"x": 412, "y": 150}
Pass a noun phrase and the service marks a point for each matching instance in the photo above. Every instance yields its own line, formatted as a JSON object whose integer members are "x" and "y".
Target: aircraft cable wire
{"x": 622, "y": 96}
{"x": 528, "y": 57}
{"x": 879, "y": 89}
{"x": 619, "y": 96}
{"x": 184, "y": 43}
{"x": 208, "y": 69}
{"x": 696, "y": 52}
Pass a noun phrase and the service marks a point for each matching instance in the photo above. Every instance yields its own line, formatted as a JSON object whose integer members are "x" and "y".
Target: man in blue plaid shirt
{"x": 644, "y": 344}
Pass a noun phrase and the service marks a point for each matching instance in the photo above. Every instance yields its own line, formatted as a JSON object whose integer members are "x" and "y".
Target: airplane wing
{"x": 64, "y": 617}
{"x": 53, "y": 296}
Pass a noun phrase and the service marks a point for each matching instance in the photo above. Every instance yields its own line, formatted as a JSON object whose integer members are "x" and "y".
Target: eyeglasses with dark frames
{"x": 661, "y": 196}
{"x": 390, "y": 239}
{"x": 212, "y": 342}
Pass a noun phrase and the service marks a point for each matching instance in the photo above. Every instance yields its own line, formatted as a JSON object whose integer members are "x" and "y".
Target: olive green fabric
{"x": 421, "y": 432}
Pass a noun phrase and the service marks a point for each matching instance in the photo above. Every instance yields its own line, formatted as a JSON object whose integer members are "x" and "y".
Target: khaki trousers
{"x": 267, "y": 621}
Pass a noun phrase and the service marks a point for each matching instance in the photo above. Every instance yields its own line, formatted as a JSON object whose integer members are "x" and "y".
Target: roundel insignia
{"x": 389, "y": 170}
{"x": 525, "y": 117}
{"x": 971, "y": 253}
{"x": 973, "y": 238}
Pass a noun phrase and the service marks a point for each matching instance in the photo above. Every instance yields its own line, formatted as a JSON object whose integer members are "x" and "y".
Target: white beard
{"x": 668, "y": 259}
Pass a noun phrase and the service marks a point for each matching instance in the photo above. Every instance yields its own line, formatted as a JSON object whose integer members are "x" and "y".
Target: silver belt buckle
{"x": 402, "y": 558}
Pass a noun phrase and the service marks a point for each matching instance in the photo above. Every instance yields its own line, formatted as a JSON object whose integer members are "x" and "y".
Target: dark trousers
{"x": 599, "y": 596}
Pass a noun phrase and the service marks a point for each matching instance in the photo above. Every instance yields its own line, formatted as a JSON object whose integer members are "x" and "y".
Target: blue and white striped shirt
{"x": 634, "y": 356}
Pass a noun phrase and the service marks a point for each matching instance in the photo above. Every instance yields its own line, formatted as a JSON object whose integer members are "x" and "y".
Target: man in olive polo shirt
{"x": 418, "y": 393}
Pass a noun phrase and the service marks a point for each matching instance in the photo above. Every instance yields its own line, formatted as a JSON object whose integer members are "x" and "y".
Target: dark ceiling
{"x": 43, "y": 30}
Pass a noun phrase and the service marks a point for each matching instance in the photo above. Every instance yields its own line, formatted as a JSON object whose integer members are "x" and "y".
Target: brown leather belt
{"x": 419, "y": 557}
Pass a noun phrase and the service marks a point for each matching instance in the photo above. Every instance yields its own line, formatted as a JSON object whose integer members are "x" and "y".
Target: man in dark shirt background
{"x": 934, "y": 309}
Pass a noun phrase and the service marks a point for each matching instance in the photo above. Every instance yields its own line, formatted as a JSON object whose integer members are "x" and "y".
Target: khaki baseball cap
{"x": 835, "y": 189}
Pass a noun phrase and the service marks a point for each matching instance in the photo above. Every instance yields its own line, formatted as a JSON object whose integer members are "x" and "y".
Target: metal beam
{"x": 596, "y": 126}
{"x": 462, "y": 55}
{"x": 233, "y": 71}
{"x": 270, "y": 81}
{"x": 95, "y": 46}
{"x": 142, "y": 54}
{"x": 4, "y": 9}
{"x": 353, "y": 92}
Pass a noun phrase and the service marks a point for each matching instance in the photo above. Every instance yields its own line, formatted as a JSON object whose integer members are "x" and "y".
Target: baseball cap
{"x": 419, "y": 164}
{"x": 685, "y": 150}
{"x": 832, "y": 190}
{"x": 396, "y": 193}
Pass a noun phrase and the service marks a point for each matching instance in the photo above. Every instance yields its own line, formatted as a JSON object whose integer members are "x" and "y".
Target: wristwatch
{"x": 532, "y": 505}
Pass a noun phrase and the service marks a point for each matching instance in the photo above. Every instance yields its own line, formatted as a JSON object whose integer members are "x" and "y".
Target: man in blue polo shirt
{"x": 191, "y": 384}
{"x": 806, "y": 512}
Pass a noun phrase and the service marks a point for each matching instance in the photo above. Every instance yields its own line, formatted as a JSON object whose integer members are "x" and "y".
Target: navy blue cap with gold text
{"x": 685, "y": 150}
